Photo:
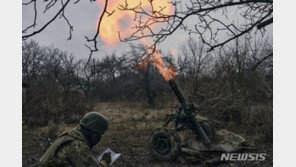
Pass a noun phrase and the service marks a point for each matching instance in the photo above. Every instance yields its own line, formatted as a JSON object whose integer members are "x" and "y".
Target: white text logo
{"x": 243, "y": 157}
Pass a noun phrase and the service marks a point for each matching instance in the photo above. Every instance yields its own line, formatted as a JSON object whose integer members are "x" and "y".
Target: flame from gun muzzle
{"x": 124, "y": 21}
{"x": 120, "y": 21}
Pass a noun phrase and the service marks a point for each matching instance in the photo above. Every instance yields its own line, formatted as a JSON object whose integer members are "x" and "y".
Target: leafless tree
{"x": 213, "y": 21}
{"x": 192, "y": 62}
{"x": 52, "y": 64}
{"x": 32, "y": 57}
{"x": 247, "y": 54}
{"x": 47, "y": 4}
{"x": 62, "y": 5}
{"x": 239, "y": 69}
{"x": 68, "y": 74}
{"x": 86, "y": 73}
{"x": 140, "y": 63}
{"x": 191, "y": 58}
{"x": 46, "y": 70}
{"x": 143, "y": 66}
{"x": 112, "y": 66}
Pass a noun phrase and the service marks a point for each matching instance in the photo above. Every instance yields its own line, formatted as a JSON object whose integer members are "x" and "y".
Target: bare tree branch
{"x": 253, "y": 11}
{"x": 94, "y": 39}
{"x": 68, "y": 22}
{"x": 265, "y": 23}
{"x": 261, "y": 61}
{"x": 24, "y": 37}
{"x": 35, "y": 16}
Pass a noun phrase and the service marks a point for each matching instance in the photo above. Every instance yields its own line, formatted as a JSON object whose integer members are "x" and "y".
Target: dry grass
{"x": 131, "y": 125}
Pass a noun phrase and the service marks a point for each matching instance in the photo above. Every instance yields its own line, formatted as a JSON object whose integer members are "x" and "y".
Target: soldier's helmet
{"x": 95, "y": 122}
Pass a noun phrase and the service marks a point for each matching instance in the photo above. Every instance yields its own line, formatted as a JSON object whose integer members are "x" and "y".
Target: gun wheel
{"x": 164, "y": 144}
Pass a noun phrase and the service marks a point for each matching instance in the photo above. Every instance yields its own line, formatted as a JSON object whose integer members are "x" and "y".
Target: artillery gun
{"x": 165, "y": 143}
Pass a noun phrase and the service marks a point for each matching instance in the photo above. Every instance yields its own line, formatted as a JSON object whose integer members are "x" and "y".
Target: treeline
{"x": 225, "y": 83}
{"x": 59, "y": 87}
{"x": 113, "y": 77}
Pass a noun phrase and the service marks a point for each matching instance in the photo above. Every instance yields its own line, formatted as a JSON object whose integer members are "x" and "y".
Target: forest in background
{"x": 232, "y": 86}
{"x": 227, "y": 84}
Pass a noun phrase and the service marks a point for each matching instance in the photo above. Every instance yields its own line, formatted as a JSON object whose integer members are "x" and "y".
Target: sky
{"x": 83, "y": 16}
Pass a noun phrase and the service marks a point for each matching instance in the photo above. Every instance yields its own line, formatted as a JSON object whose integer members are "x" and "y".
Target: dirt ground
{"x": 130, "y": 126}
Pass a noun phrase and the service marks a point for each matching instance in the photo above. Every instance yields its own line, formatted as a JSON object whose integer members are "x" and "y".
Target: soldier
{"x": 73, "y": 148}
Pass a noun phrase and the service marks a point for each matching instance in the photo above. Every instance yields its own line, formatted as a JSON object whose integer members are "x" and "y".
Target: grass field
{"x": 130, "y": 126}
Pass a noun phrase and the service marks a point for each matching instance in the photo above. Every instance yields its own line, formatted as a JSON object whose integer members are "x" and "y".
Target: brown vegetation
{"x": 233, "y": 87}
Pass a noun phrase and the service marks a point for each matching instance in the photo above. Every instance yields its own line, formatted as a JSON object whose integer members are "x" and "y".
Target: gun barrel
{"x": 197, "y": 127}
{"x": 178, "y": 93}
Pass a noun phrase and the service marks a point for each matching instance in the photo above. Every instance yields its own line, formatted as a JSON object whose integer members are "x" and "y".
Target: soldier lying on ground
{"x": 73, "y": 148}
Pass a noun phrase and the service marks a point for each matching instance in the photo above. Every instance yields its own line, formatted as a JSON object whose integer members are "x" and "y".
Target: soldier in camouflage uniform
{"x": 73, "y": 148}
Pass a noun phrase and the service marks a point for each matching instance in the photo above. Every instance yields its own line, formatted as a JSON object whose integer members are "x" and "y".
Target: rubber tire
{"x": 174, "y": 146}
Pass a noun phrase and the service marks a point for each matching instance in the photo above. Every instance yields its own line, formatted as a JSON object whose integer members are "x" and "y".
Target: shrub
{"x": 45, "y": 102}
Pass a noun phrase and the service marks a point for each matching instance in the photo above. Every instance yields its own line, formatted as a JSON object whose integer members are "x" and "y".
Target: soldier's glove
{"x": 107, "y": 157}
